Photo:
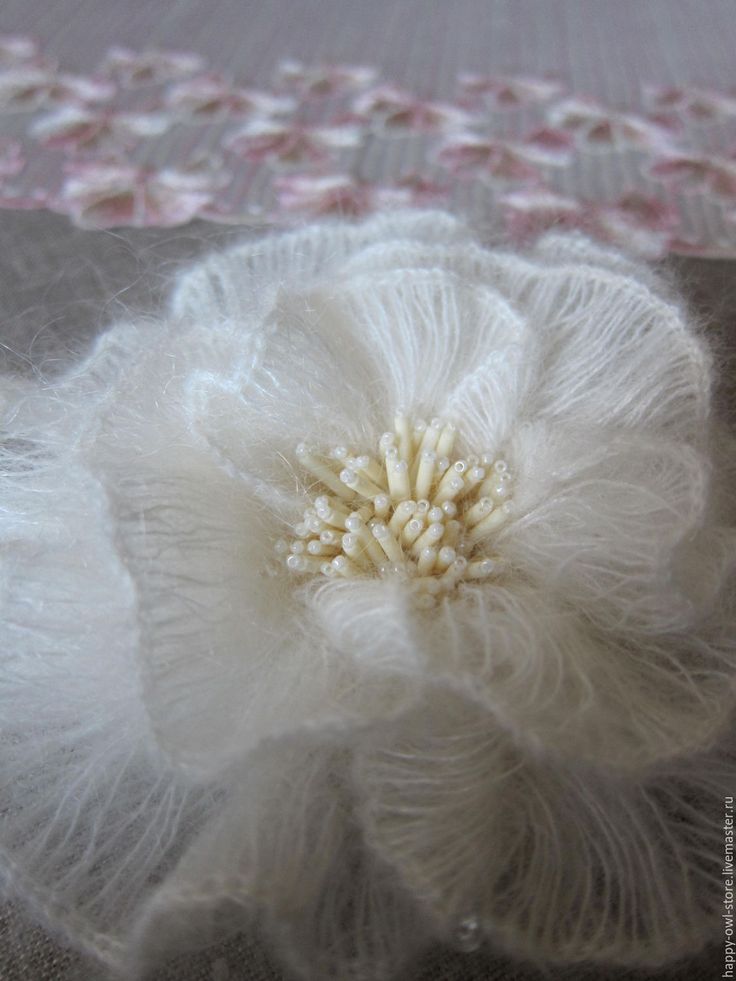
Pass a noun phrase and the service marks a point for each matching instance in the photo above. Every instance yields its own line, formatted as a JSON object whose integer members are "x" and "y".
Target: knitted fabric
{"x": 198, "y": 736}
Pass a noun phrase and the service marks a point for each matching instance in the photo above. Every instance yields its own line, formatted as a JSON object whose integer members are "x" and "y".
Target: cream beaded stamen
{"x": 411, "y": 511}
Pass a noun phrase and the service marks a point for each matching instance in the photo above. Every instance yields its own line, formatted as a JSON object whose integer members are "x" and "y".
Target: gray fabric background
{"x": 61, "y": 285}
{"x": 606, "y": 49}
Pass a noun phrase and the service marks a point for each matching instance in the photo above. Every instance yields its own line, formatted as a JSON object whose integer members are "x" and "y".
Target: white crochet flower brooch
{"x": 376, "y": 595}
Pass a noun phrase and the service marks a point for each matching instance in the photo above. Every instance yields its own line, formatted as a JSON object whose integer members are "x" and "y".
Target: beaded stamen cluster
{"x": 412, "y": 510}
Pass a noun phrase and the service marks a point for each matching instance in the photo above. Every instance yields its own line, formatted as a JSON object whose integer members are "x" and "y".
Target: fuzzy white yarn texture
{"x": 379, "y": 592}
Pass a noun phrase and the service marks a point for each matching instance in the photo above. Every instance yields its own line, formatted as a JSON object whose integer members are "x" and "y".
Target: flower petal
{"x": 600, "y": 516}
{"x": 152, "y": 67}
{"x": 570, "y": 247}
{"x": 612, "y": 352}
{"x": 166, "y": 206}
{"x": 563, "y": 688}
{"x": 485, "y": 400}
{"x": 215, "y": 654}
{"x": 612, "y": 349}
{"x": 285, "y": 848}
{"x": 421, "y": 336}
{"x": 239, "y": 284}
{"x": 89, "y": 817}
{"x": 570, "y": 862}
{"x": 559, "y": 684}
{"x": 371, "y": 621}
{"x": 227, "y": 656}
{"x": 465, "y": 259}
{"x": 415, "y": 338}
{"x": 12, "y": 158}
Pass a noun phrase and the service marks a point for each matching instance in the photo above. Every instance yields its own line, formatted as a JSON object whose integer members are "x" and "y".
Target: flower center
{"x": 412, "y": 510}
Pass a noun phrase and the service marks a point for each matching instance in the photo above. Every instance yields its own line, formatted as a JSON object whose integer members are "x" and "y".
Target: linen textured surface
{"x": 616, "y": 119}
{"x": 176, "y": 435}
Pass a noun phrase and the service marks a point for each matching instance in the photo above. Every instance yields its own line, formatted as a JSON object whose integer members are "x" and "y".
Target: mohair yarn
{"x": 523, "y": 738}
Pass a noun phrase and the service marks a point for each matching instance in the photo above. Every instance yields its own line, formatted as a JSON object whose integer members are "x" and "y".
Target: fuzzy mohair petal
{"x": 566, "y": 248}
{"x": 91, "y": 819}
{"x": 197, "y": 741}
{"x": 419, "y": 335}
{"x": 559, "y": 684}
{"x": 614, "y": 347}
{"x": 286, "y": 842}
{"x": 363, "y": 349}
{"x": 565, "y": 863}
{"x": 614, "y": 354}
{"x": 235, "y": 285}
{"x": 603, "y": 535}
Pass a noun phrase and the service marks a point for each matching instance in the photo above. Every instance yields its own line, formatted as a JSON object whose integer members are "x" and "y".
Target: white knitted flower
{"x": 379, "y": 593}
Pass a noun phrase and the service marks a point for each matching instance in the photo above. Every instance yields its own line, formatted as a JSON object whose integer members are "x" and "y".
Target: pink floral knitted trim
{"x": 155, "y": 138}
